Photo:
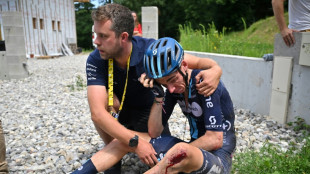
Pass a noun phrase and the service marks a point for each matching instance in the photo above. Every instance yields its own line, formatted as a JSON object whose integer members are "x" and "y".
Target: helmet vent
{"x": 168, "y": 60}
{"x": 157, "y": 44}
{"x": 155, "y": 65}
{"x": 165, "y": 42}
{"x": 148, "y": 63}
{"x": 152, "y": 46}
{"x": 176, "y": 48}
{"x": 162, "y": 60}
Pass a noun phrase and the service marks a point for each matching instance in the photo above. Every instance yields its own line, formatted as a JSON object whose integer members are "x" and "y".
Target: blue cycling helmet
{"x": 163, "y": 57}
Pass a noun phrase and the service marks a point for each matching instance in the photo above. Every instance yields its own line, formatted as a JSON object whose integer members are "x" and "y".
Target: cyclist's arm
{"x": 155, "y": 126}
{"x": 211, "y": 140}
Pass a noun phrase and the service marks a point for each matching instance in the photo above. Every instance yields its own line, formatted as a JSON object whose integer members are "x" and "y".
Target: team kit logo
{"x": 193, "y": 108}
{"x": 196, "y": 110}
{"x": 226, "y": 124}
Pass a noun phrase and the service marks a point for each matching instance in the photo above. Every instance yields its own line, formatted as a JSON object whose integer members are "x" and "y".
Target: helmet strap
{"x": 185, "y": 77}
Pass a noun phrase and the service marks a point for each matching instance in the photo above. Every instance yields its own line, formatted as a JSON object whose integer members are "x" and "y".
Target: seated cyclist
{"x": 211, "y": 118}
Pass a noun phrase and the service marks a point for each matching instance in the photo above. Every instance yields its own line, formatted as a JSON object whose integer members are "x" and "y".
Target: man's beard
{"x": 114, "y": 54}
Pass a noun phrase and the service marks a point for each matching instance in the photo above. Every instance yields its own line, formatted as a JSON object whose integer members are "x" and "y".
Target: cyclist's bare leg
{"x": 182, "y": 157}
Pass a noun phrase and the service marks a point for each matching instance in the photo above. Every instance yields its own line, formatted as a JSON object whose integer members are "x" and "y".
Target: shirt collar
{"x": 135, "y": 53}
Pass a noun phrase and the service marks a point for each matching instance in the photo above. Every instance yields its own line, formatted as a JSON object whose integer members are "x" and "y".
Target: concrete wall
{"x": 247, "y": 79}
{"x": 150, "y": 22}
{"x": 3, "y": 66}
{"x": 13, "y": 61}
{"x": 258, "y": 85}
{"x": 299, "y": 98}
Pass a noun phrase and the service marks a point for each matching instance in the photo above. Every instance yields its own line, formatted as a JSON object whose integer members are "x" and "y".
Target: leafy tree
{"x": 84, "y": 24}
{"x": 223, "y": 13}
{"x": 226, "y": 13}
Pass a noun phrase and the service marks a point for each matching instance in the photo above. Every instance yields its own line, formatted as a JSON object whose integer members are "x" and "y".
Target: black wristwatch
{"x": 133, "y": 142}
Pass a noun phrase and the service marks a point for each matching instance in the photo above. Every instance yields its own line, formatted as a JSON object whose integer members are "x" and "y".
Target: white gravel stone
{"x": 48, "y": 128}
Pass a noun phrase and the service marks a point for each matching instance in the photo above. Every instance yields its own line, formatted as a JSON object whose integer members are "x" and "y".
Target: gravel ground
{"x": 48, "y": 129}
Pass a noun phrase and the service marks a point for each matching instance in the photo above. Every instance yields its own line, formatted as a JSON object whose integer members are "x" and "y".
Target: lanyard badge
{"x": 110, "y": 92}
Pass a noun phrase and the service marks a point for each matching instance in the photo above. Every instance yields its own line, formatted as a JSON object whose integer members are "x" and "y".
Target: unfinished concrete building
{"x": 34, "y": 28}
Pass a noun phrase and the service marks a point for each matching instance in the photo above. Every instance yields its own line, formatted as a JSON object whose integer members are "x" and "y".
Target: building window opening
{"x": 53, "y": 25}
{"x": 59, "y": 26}
{"x": 41, "y": 24}
{"x": 34, "y": 23}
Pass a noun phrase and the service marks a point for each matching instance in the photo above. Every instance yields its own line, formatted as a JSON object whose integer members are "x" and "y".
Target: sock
{"x": 86, "y": 168}
{"x": 116, "y": 169}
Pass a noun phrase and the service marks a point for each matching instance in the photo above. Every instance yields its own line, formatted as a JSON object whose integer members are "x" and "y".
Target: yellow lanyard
{"x": 110, "y": 79}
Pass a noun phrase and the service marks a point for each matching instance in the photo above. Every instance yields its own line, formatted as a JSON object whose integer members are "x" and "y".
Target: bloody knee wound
{"x": 176, "y": 158}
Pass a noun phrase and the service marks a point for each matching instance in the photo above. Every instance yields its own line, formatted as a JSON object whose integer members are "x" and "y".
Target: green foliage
{"x": 223, "y": 13}
{"x": 271, "y": 160}
{"x": 211, "y": 40}
{"x": 78, "y": 83}
{"x": 200, "y": 40}
{"x": 300, "y": 125}
{"x": 83, "y": 24}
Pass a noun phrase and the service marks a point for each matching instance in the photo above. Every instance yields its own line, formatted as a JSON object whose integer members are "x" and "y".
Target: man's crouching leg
{"x": 105, "y": 159}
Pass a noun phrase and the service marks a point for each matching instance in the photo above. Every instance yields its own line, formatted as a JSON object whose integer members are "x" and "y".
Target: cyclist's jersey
{"x": 136, "y": 96}
{"x": 213, "y": 113}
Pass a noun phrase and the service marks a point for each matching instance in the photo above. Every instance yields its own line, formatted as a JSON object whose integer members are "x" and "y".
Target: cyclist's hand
{"x": 146, "y": 153}
{"x": 157, "y": 89}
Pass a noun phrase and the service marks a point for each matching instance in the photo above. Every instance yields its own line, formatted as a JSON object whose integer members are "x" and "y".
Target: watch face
{"x": 134, "y": 141}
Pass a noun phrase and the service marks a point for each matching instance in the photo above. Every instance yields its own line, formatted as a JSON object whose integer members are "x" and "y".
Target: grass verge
{"x": 254, "y": 41}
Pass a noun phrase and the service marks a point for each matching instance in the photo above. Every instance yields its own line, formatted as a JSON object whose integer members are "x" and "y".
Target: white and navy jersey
{"x": 213, "y": 113}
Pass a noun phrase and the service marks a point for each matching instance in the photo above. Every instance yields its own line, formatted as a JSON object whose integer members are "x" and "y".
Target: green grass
{"x": 270, "y": 160}
{"x": 87, "y": 51}
{"x": 254, "y": 41}
{"x": 78, "y": 83}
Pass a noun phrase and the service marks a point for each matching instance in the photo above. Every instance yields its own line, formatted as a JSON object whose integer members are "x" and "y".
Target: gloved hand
{"x": 157, "y": 90}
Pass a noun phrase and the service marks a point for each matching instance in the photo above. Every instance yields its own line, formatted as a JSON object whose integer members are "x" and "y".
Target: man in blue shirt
{"x": 113, "y": 24}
